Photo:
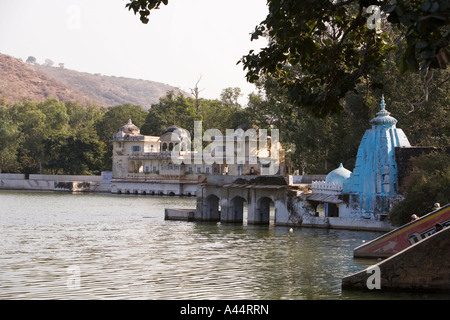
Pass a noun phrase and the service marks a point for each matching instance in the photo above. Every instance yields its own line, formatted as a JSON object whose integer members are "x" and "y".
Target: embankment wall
{"x": 42, "y": 182}
{"x": 424, "y": 266}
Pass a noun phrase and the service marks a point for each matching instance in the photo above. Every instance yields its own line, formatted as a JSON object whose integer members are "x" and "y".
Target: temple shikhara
{"x": 372, "y": 188}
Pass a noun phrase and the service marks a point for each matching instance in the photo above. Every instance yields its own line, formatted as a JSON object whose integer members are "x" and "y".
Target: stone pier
{"x": 254, "y": 199}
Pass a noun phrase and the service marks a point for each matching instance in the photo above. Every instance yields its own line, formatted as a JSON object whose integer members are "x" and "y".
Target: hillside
{"x": 21, "y": 81}
{"x": 109, "y": 90}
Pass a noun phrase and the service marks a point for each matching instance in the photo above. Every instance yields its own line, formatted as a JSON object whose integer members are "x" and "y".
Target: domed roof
{"x": 338, "y": 175}
{"x": 130, "y": 128}
{"x": 174, "y": 133}
{"x": 172, "y": 129}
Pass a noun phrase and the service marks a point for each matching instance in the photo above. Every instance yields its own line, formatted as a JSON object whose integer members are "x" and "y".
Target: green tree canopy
{"x": 320, "y": 50}
{"x": 74, "y": 153}
{"x": 117, "y": 116}
{"x": 9, "y": 142}
{"x": 318, "y": 145}
{"x": 172, "y": 109}
{"x": 50, "y": 136}
{"x": 428, "y": 183}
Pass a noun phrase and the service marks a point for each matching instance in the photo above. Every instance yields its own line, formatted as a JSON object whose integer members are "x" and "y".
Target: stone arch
{"x": 212, "y": 208}
{"x": 265, "y": 211}
{"x": 236, "y": 209}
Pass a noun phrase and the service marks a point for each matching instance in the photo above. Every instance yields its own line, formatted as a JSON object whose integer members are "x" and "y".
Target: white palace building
{"x": 167, "y": 165}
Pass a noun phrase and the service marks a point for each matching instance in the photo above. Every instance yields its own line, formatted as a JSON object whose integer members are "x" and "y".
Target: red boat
{"x": 404, "y": 236}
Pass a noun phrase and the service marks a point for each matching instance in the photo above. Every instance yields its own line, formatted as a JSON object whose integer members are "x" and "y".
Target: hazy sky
{"x": 183, "y": 41}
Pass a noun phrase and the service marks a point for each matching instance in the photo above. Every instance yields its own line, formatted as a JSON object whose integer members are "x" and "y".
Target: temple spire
{"x": 383, "y": 116}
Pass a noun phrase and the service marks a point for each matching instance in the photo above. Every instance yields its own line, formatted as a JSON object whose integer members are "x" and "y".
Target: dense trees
{"x": 429, "y": 182}
{"x": 320, "y": 50}
{"x": 69, "y": 138}
{"x": 176, "y": 109}
{"x": 59, "y": 138}
{"x": 318, "y": 145}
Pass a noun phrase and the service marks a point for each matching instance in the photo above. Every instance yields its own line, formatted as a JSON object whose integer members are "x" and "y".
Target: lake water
{"x": 104, "y": 246}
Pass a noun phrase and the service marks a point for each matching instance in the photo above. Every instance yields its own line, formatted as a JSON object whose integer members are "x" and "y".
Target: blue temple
{"x": 374, "y": 178}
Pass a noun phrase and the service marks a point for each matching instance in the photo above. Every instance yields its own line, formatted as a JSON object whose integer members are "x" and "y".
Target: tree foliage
{"x": 318, "y": 145}
{"x": 172, "y": 109}
{"x": 50, "y": 136}
{"x": 176, "y": 109}
{"x": 69, "y": 138}
{"x": 429, "y": 182}
{"x": 319, "y": 50}
{"x": 143, "y": 7}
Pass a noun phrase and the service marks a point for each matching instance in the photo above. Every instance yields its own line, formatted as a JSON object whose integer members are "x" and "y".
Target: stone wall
{"x": 155, "y": 187}
{"x": 42, "y": 182}
{"x": 424, "y": 266}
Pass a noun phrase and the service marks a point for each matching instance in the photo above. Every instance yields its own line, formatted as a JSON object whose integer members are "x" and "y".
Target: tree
{"x": 320, "y": 50}
{"x": 74, "y": 153}
{"x": 225, "y": 113}
{"x": 144, "y": 7}
{"x": 172, "y": 109}
{"x": 48, "y": 63}
{"x": 117, "y": 116}
{"x": 31, "y": 60}
{"x": 9, "y": 142}
{"x": 31, "y": 123}
{"x": 196, "y": 93}
{"x": 83, "y": 116}
{"x": 428, "y": 183}
{"x": 318, "y": 145}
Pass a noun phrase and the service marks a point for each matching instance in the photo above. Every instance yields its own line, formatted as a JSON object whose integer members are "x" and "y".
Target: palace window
{"x": 135, "y": 148}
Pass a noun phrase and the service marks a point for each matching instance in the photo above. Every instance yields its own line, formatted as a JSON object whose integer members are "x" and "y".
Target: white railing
{"x": 326, "y": 187}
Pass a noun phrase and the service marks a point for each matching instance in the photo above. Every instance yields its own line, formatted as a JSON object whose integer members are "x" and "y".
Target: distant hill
{"x": 21, "y": 81}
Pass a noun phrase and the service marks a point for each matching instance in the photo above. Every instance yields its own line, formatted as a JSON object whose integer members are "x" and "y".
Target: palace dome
{"x": 171, "y": 129}
{"x": 130, "y": 128}
{"x": 338, "y": 175}
{"x": 175, "y": 133}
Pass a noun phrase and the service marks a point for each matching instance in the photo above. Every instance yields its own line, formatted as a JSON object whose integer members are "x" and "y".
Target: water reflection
{"x": 123, "y": 248}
